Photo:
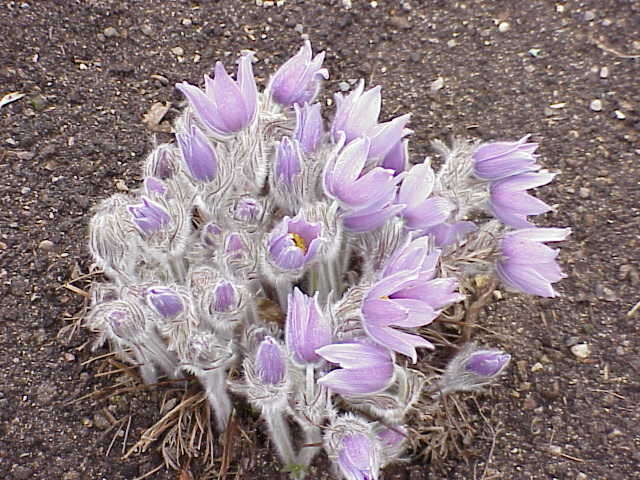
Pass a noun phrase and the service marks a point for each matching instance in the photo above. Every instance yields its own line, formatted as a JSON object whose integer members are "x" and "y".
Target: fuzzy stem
{"x": 283, "y": 288}
{"x": 214, "y": 382}
{"x": 280, "y": 435}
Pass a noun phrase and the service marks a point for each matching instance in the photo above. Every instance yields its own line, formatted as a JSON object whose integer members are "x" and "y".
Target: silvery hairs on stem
{"x": 260, "y": 200}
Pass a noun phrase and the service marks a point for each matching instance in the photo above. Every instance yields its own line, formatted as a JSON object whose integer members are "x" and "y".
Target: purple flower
{"x": 496, "y": 160}
{"x": 447, "y": 233}
{"x": 416, "y": 255}
{"x": 365, "y": 368}
{"x": 309, "y": 126}
{"x": 392, "y": 437}
{"x": 161, "y": 163}
{"x": 154, "y": 186}
{"x": 288, "y": 161}
{"x": 357, "y": 116}
{"x": 225, "y": 297}
{"x": 404, "y": 300}
{"x": 397, "y": 158}
{"x": 211, "y": 235}
{"x": 307, "y": 329}
{"x": 346, "y": 181}
{"x": 372, "y": 216}
{"x": 247, "y": 209}
{"x": 198, "y": 154}
{"x": 422, "y": 210}
{"x": 149, "y": 217}
{"x": 165, "y": 301}
{"x": 511, "y": 203}
{"x": 298, "y": 80}
{"x": 358, "y": 457}
{"x": 226, "y": 106}
{"x": 487, "y": 363}
{"x": 234, "y": 245}
{"x": 294, "y": 242}
{"x": 270, "y": 362}
{"x": 528, "y": 265}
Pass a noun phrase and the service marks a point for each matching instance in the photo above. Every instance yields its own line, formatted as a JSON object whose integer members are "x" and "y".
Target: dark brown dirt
{"x": 78, "y": 135}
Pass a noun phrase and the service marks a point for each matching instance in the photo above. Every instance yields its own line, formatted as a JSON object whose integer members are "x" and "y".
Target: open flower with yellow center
{"x": 294, "y": 243}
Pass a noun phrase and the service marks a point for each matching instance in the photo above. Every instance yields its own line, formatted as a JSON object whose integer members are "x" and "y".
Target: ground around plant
{"x": 565, "y": 71}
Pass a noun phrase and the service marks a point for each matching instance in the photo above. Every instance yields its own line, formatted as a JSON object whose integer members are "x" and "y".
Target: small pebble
{"x": 581, "y": 476}
{"x": 146, "y": 30}
{"x": 110, "y": 32}
{"x": 604, "y": 72}
{"x": 596, "y": 105}
{"x": 619, "y": 115}
{"x": 584, "y": 193}
{"x": 589, "y": 15}
{"x": 179, "y": 51}
{"x": 581, "y": 350}
{"x": 46, "y": 245}
{"x": 437, "y": 84}
{"x": 504, "y": 27}
{"x": 537, "y": 367}
{"x": 344, "y": 86}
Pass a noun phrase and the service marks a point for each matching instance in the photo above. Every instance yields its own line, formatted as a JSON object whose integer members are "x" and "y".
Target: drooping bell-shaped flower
{"x": 346, "y": 181}
{"x": 309, "y": 126}
{"x": 510, "y": 202}
{"x": 226, "y": 106}
{"x": 365, "y": 368}
{"x": 294, "y": 243}
{"x": 149, "y": 217}
{"x": 492, "y": 161}
{"x": 357, "y": 116}
{"x": 422, "y": 209}
{"x": 199, "y": 154}
{"x": 307, "y": 328}
{"x": 298, "y": 80}
{"x": 165, "y": 301}
{"x": 270, "y": 362}
{"x": 288, "y": 161}
{"x": 527, "y": 264}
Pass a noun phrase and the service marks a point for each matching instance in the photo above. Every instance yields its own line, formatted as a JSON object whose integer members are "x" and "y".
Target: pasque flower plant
{"x": 359, "y": 247}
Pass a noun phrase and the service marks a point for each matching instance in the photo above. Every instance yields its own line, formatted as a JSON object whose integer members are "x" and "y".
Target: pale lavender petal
{"x": 398, "y": 341}
{"x": 355, "y": 355}
{"x": 288, "y": 163}
{"x": 417, "y": 185}
{"x": 229, "y": 101}
{"x": 248, "y": 87}
{"x": 203, "y": 105}
{"x": 541, "y": 234}
{"x": 270, "y": 362}
{"x": 383, "y": 312}
{"x": 397, "y": 157}
{"x": 358, "y": 381}
{"x": 386, "y": 135}
{"x": 432, "y": 211}
{"x": 448, "y": 233}
{"x": 309, "y": 126}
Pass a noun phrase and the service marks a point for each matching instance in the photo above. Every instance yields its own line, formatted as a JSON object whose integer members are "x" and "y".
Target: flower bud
{"x": 270, "y": 363}
{"x": 199, "y": 155}
{"x": 309, "y": 126}
{"x": 165, "y": 301}
{"x": 288, "y": 162}
{"x": 149, "y": 217}
{"x": 224, "y": 297}
{"x": 297, "y": 81}
{"x": 307, "y": 329}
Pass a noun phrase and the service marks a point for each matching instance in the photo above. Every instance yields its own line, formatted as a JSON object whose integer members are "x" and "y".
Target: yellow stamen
{"x": 298, "y": 241}
{"x": 384, "y": 297}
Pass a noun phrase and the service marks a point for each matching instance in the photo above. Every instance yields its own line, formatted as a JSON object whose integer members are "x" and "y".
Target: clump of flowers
{"x": 261, "y": 201}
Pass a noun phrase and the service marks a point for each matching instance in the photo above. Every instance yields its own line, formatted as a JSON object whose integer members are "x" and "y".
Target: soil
{"x": 90, "y": 70}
